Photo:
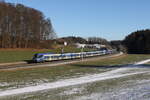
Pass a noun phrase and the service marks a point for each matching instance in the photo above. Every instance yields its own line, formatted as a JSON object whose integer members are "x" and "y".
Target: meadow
{"x": 19, "y": 78}
{"x": 15, "y": 55}
{"x": 31, "y": 76}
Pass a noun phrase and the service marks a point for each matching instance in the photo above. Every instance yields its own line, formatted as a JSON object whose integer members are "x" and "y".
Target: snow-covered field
{"x": 124, "y": 83}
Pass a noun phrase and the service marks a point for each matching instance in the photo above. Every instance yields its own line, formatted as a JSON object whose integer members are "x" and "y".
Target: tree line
{"x": 97, "y": 40}
{"x": 138, "y": 42}
{"x": 89, "y": 40}
{"x": 23, "y": 27}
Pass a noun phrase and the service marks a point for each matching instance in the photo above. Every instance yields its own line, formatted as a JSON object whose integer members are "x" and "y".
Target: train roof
{"x": 43, "y": 53}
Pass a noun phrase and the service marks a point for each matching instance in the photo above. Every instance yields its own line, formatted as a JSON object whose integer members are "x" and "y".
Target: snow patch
{"x": 2, "y": 84}
{"x": 70, "y": 82}
{"x": 117, "y": 73}
{"x": 142, "y": 62}
{"x": 72, "y": 91}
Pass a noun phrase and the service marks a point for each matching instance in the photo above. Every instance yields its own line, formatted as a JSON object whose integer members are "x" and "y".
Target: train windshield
{"x": 38, "y": 56}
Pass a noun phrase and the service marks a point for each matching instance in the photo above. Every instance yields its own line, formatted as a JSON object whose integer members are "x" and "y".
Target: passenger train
{"x": 43, "y": 57}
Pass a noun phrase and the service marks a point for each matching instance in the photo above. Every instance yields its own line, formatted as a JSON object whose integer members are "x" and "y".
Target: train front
{"x": 38, "y": 58}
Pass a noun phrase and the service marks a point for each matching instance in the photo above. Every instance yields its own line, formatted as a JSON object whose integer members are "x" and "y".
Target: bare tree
{"x": 23, "y": 27}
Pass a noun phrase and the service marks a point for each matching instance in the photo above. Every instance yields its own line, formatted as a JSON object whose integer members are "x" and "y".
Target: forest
{"x": 23, "y": 27}
{"x": 138, "y": 42}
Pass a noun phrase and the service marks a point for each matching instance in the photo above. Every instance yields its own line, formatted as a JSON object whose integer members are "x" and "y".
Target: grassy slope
{"x": 22, "y": 77}
{"x": 10, "y": 55}
{"x": 126, "y": 59}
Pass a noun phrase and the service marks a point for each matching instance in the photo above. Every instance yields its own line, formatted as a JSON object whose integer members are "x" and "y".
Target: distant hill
{"x": 90, "y": 40}
{"x": 118, "y": 45}
{"x": 72, "y": 40}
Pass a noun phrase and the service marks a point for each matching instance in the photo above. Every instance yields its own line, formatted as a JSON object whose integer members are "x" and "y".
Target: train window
{"x": 52, "y": 56}
{"x": 46, "y": 57}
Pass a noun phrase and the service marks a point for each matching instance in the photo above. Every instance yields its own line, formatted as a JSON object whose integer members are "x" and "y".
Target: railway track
{"x": 54, "y": 63}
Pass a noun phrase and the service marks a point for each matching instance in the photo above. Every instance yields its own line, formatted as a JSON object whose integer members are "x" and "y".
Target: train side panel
{"x": 41, "y": 57}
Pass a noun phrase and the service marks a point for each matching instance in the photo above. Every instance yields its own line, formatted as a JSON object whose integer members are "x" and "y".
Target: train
{"x": 45, "y": 57}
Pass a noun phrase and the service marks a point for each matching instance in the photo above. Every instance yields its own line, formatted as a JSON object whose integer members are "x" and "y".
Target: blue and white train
{"x": 43, "y": 57}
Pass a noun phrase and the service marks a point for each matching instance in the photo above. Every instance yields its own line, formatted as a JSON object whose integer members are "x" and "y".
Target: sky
{"x": 109, "y": 19}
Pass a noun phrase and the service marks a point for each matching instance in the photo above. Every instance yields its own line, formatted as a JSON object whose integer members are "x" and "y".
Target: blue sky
{"x": 110, "y": 19}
